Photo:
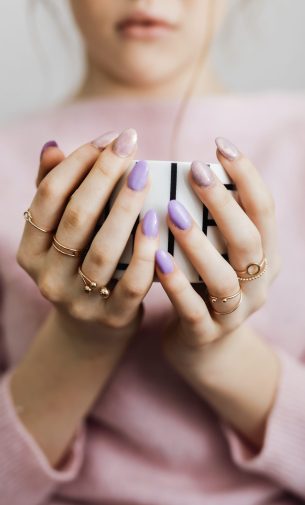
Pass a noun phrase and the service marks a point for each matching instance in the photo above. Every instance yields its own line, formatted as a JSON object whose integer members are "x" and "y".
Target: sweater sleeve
{"x": 282, "y": 456}
{"x": 26, "y": 477}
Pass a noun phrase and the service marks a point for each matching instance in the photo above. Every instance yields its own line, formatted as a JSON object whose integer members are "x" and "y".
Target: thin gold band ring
{"x": 214, "y": 299}
{"x": 29, "y": 218}
{"x": 67, "y": 251}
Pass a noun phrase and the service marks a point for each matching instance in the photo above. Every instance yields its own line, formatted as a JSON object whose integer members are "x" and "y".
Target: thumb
{"x": 50, "y": 157}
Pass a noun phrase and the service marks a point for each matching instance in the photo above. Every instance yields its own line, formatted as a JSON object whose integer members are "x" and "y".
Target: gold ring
{"x": 214, "y": 299}
{"x": 28, "y": 217}
{"x": 68, "y": 251}
{"x": 89, "y": 284}
{"x": 104, "y": 292}
{"x": 253, "y": 270}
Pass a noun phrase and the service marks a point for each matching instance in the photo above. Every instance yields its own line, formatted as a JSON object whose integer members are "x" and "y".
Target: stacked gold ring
{"x": 215, "y": 299}
{"x": 253, "y": 271}
{"x": 67, "y": 251}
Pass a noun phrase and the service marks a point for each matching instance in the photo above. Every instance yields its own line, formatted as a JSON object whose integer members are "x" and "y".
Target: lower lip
{"x": 139, "y": 32}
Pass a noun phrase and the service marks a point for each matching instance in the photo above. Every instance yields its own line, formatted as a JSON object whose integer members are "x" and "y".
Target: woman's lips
{"x": 144, "y": 28}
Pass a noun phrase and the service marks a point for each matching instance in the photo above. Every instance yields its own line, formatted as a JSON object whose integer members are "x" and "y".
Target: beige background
{"x": 261, "y": 48}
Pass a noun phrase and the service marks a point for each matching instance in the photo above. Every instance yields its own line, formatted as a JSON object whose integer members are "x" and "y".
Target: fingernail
{"x": 202, "y": 173}
{"x": 150, "y": 224}
{"x": 126, "y": 142}
{"x": 138, "y": 176}
{"x": 104, "y": 140}
{"x": 164, "y": 262}
{"x": 227, "y": 149}
{"x": 179, "y": 215}
{"x": 50, "y": 143}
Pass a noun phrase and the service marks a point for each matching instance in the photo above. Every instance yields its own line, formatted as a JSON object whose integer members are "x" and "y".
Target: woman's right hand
{"x": 81, "y": 341}
{"x": 70, "y": 199}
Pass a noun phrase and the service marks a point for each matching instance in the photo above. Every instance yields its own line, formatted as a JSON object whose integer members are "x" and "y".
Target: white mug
{"x": 169, "y": 180}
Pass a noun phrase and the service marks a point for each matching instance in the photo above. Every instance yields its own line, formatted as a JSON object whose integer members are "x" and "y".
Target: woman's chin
{"x": 146, "y": 76}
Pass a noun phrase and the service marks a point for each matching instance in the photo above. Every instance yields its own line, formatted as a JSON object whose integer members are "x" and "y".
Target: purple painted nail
{"x": 150, "y": 224}
{"x": 179, "y": 215}
{"x": 227, "y": 149}
{"x": 105, "y": 139}
{"x": 51, "y": 143}
{"x": 164, "y": 262}
{"x": 138, "y": 176}
{"x": 202, "y": 173}
{"x": 126, "y": 142}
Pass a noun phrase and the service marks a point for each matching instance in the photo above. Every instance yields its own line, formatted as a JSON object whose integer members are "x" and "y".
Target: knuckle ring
{"x": 215, "y": 299}
{"x": 253, "y": 271}
{"x": 29, "y": 218}
{"x": 90, "y": 285}
{"x": 67, "y": 251}
{"x": 104, "y": 292}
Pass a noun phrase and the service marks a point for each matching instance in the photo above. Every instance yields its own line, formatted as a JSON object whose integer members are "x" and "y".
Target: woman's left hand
{"x": 200, "y": 333}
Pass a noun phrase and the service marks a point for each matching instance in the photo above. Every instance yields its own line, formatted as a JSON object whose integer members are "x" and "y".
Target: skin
{"x": 220, "y": 355}
{"x": 83, "y": 339}
{"x": 133, "y": 68}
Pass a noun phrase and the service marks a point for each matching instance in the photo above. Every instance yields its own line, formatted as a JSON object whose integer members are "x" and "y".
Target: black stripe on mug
{"x": 172, "y": 196}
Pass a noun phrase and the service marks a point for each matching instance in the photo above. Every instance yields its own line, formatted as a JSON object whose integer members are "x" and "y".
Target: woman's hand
{"x": 70, "y": 199}
{"x": 83, "y": 338}
{"x": 216, "y": 352}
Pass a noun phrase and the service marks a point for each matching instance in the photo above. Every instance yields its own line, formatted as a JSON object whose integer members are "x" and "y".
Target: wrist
{"x": 59, "y": 379}
{"x": 238, "y": 376}
{"x": 221, "y": 356}
{"x": 213, "y": 363}
{"x": 203, "y": 362}
{"x": 87, "y": 340}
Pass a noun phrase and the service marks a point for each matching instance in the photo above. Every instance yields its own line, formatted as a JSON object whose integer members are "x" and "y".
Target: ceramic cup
{"x": 169, "y": 180}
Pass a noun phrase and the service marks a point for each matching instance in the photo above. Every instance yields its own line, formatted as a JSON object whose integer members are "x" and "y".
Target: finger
{"x": 255, "y": 197}
{"x": 87, "y": 203}
{"x": 137, "y": 280}
{"x": 240, "y": 233}
{"x": 216, "y": 272}
{"x": 189, "y": 305}
{"x": 53, "y": 193}
{"x": 110, "y": 241}
{"x": 50, "y": 156}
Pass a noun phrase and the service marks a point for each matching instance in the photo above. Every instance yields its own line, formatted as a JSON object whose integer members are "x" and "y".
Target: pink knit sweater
{"x": 150, "y": 439}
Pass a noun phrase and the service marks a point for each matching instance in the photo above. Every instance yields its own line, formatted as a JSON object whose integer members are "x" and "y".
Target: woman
{"x": 193, "y": 399}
